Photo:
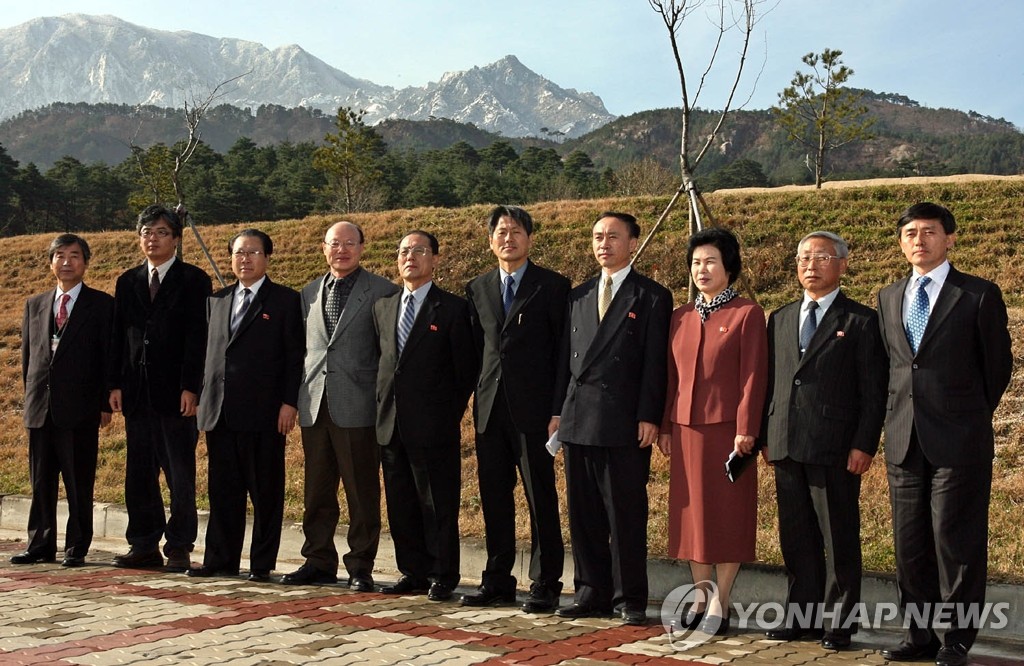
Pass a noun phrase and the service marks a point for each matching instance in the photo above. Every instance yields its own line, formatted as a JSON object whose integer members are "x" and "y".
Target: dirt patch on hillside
{"x": 873, "y": 182}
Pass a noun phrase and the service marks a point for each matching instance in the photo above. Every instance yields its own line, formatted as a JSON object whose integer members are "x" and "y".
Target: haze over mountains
{"x": 103, "y": 59}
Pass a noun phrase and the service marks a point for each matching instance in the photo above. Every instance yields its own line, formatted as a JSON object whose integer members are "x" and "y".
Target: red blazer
{"x": 717, "y": 372}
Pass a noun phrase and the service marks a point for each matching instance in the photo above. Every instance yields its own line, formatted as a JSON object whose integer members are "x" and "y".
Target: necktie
{"x": 510, "y": 284}
{"x": 606, "y": 298}
{"x": 333, "y": 309}
{"x": 809, "y": 327}
{"x": 917, "y": 318}
{"x": 240, "y": 314}
{"x": 62, "y": 311}
{"x": 154, "y": 284}
{"x": 405, "y": 326}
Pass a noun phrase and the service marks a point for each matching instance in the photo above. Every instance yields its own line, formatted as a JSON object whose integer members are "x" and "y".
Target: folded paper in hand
{"x": 735, "y": 463}
{"x": 553, "y": 445}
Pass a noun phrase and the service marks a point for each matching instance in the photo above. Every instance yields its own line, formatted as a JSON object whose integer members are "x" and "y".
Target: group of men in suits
{"x": 388, "y": 372}
{"x": 931, "y": 365}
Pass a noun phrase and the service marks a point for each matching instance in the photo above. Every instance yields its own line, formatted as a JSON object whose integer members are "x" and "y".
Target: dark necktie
{"x": 809, "y": 327}
{"x": 154, "y": 284}
{"x": 405, "y": 326}
{"x": 510, "y": 284}
{"x": 240, "y": 314}
{"x": 333, "y": 310}
{"x": 62, "y": 311}
{"x": 605, "y": 301}
{"x": 917, "y": 318}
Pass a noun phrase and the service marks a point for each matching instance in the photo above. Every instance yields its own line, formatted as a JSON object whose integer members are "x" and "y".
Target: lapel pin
{"x": 840, "y": 334}
{"x": 266, "y": 316}
{"x": 433, "y": 327}
{"x": 632, "y": 315}
{"x": 723, "y": 329}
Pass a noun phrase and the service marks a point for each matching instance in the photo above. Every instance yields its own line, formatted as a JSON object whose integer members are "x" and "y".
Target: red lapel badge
{"x": 632, "y": 315}
{"x": 266, "y": 316}
{"x": 840, "y": 334}
{"x": 723, "y": 329}
{"x": 433, "y": 327}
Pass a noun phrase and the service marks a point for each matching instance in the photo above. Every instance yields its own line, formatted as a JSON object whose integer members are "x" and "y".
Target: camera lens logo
{"x": 685, "y": 628}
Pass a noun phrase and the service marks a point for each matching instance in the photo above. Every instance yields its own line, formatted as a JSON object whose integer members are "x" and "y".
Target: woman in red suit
{"x": 717, "y": 376}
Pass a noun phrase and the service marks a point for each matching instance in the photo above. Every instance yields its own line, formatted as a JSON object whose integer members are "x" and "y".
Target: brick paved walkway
{"x": 101, "y": 615}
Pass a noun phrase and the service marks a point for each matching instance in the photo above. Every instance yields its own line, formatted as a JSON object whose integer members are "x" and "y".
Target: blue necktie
{"x": 510, "y": 284}
{"x": 809, "y": 327}
{"x": 405, "y": 326}
{"x": 243, "y": 308}
{"x": 917, "y": 317}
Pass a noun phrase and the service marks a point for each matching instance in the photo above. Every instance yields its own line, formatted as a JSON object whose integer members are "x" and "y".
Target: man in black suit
{"x": 63, "y": 360}
{"x": 156, "y": 372}
{"x": 426, "y": 374}
{"x": 518, "y": 316}
{"x": 613, "y": 378}
{"x": 337, "y": 412}
{"x": 247, "y": 407}
{"x": 950, "y": 361}
{"x": 823, "y": 417}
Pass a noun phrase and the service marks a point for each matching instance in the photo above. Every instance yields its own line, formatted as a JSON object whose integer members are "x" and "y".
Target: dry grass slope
{"x": 769, "y": 223}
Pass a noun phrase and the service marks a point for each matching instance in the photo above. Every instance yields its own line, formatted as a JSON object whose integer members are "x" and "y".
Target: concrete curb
{"x": 757, "y": 583}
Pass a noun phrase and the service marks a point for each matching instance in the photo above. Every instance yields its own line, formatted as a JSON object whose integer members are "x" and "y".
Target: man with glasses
{"x": 158, "y": 348}
{"x": 427, "y": 372}
{"x": 823, "y": 417}
{"x": 337, "y": 412}
{"x": 248, "y": 406}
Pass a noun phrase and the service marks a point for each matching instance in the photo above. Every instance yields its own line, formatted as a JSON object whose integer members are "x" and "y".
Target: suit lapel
{"x": 892, "y": 311}
{"x": 527, "y": 289}
{"x": 357, "y": 300}
{"x": 493, "y": 295}
{"x": 787, "y": 338}
{"x": 947, "y": 299}
{"x": 424, "y": 318}
{"x": 827, "y": 327}
{"x": 608, "y": 328}
{"x": 255, "y": 308}
{"x": 141, "y": 285}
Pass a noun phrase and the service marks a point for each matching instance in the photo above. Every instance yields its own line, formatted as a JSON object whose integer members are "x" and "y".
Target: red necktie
{"x": 62, "y": 311}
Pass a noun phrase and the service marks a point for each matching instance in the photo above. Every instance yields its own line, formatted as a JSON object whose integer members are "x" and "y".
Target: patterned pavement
{"x": 100, "y": 615}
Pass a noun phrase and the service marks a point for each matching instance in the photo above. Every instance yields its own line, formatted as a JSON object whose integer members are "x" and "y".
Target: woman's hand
{"x": 743, "y": 444}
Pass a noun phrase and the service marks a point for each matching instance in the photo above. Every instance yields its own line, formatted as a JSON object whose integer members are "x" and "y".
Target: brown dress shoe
{"x": 137, "y": 559}
{"x": 178, "y": 560}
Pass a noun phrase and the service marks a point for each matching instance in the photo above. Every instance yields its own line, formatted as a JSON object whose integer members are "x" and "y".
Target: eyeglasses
{"x": 245, "y": 254}
{"x": 817, "y": 259}
{"x": 335, "y": 244}
{"x": 419, "y": 251}
{"x": 159, "y": 233}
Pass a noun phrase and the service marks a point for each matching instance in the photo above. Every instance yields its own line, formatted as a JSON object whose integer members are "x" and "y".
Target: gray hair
{"x": 841, "y": 246}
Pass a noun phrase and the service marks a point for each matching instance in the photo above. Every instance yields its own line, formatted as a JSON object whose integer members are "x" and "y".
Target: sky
{"x": 940, "y": 53}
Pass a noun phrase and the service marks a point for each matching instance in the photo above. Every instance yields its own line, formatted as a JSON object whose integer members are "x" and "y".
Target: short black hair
{"x": 268, "y": 245}
{"x": 630, "y": 221}
{"x": 434, "y": 246}
{"x": 727, "y": 245}
{"x": 926, "y": 210}
{"x": 520, "y": 216}
{"x": 155, "y": 212}
{"x": 65, "y": 240}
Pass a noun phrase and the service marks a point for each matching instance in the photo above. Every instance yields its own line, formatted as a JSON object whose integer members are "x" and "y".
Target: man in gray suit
{"x": 950, "y": 361}
{"x": 823, "y": 417}
{"x": 337, "y": 413}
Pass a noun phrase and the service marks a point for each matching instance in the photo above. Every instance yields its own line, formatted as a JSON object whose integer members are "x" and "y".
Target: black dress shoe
{"x": 576, "y": 611}
{"x": 489, "y": 596}
{"x": 360, "y": 583}
{"x": 715, "y": 625}
{"x": 542, "y": 599}
{"x": 72, "y": 561}
{"x": 634, "y": 616}
{"x": 259, "y": 576}
{"x": 692, "y": 618}
{"x": 307, "y": 574}
{"x": 138, "y": 559}
{"x": 440, "y": 592}
{"x": 209, "y": 572}
{"x": 910, "y": 652}
{"x": 29, "y": 557}
{"x": 406, "y": 585}
{"x": 835, "y": 641}
{"x": 788, "y": 633}
{"x": 952, "y": 655}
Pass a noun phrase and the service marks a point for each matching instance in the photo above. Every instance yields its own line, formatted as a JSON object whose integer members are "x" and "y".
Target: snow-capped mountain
{"x": 103, "y": 59}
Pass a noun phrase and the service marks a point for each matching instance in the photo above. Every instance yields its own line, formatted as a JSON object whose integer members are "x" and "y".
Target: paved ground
{"x": 101, "y": 615}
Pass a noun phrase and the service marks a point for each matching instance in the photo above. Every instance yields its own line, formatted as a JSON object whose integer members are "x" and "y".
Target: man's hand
{"x": 553, "y": 425}
{"x": 858, "y": 462}
{"x": 286, "y": 418}
{"x": 188, "y": 403}
{"x": 647, "y": 434}
{"x": 665, "y": 444}
{"x": 115, "y": 400}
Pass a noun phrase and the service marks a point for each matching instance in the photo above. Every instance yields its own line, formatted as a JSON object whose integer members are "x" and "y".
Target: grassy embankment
{"x": 769, "y": 223}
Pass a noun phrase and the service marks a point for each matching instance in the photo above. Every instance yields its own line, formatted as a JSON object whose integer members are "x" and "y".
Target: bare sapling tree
{"x": 819, "y": 113}
{"x": 733, "y": 21}
{"x": 194, "y": 109}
